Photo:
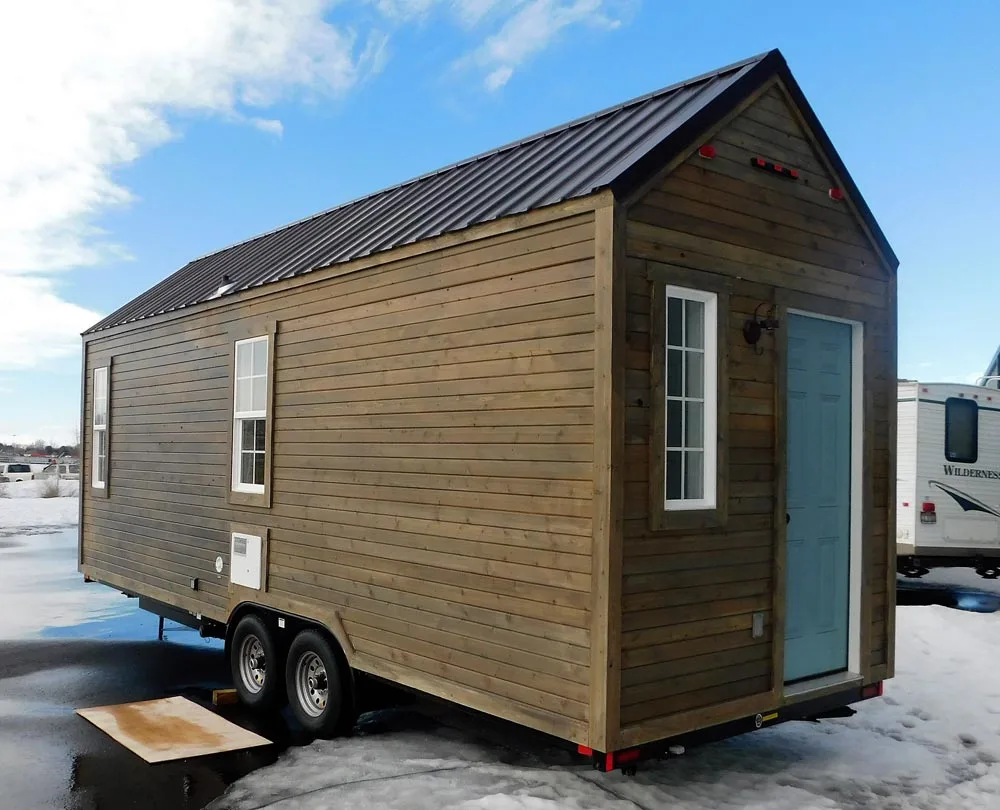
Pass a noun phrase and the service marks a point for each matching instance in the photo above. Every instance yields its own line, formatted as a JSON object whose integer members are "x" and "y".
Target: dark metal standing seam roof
{"x": 616, "y": 148}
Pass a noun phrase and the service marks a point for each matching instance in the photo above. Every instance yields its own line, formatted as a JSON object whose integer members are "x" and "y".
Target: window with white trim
{"x": 690, "y": 399}
{"x": 250, "y": 415}
{"x": 99, "y": 450}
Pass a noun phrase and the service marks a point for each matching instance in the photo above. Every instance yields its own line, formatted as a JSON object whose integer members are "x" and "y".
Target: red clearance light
{"x": 624, "y": 757}
{"x": 836, "y": 194}
{"x": 707, "y": 151}
{"x": 927, "y": 506}
{"x": 906, "y": 503}
{"x": 776, "y": 168}
{"x": 585, "y": 750}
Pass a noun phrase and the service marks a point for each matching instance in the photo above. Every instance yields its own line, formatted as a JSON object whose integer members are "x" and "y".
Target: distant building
{"x": 993, "y": 370}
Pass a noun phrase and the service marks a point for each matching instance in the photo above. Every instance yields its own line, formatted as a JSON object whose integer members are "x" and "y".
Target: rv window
{"x": 99, "y": 477}
{"x": 961, "y": 430}
{"x": 250, "y": 415}
{"x": 690, "y": 381}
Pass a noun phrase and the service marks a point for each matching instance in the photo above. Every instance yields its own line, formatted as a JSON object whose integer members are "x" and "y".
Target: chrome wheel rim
{"x": 253, "y": 664}
{"x": 312, "y": 686}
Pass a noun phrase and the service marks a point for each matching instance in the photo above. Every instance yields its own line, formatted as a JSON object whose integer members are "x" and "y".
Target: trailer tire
{"x": 255, "y": 664}
{"x": 315, "y": 683}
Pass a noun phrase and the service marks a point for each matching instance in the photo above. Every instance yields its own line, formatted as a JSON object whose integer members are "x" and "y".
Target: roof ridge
{"x": 537, "y": 136}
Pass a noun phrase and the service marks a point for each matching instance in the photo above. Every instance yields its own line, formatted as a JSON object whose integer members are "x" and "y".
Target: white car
{"x": 15, "y": 471}
{"x": 70, "y": 471}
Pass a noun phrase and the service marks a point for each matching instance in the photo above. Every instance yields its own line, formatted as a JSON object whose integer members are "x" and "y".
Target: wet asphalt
{"x": 52, "y": 758}
{"x": 65, "y": 645}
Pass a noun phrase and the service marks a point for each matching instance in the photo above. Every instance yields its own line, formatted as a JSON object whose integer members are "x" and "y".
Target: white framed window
{"x": 99, "y": 476}
{"x": 690, "y": 399}
{"x": 250, "y": 415}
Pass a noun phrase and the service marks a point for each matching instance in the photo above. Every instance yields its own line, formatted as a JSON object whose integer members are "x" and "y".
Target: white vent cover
{"x": 245, "y": 562}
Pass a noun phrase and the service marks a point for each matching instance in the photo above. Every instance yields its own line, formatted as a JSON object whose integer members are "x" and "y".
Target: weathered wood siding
{"x": 432, "y": 467}
{"x": 689, "y": 596}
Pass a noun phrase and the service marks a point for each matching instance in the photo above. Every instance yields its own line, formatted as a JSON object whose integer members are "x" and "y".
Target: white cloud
{"x": 498, "y": 78}
{"x": 524, "y": 27}
{"x": 269, "y": 125}
{"x": 38, "y": 324}
{"x": 88, "y": 86}
{"x": 531, "y": 29}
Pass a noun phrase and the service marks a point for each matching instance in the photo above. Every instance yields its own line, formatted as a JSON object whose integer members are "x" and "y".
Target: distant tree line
{"x": 39, "y": 447}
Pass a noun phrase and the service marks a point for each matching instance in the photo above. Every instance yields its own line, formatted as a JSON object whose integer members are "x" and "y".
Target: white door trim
{"x": 857, "y": 493}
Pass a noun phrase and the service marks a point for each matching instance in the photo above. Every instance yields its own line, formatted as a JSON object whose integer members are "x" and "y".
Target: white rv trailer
{"x": 947, "y": 478}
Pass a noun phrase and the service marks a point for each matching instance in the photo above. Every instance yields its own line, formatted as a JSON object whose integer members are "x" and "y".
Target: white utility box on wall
{"x": 245, "y": 560}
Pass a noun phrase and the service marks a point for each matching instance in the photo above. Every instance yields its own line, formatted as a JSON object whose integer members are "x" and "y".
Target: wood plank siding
{"x": 433, "y": 484}
{"x": 689, "y": 594}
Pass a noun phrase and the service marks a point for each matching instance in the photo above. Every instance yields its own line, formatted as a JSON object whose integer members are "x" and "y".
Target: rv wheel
{"x": 255, "y": 664}
{"x": 315, "y": 685}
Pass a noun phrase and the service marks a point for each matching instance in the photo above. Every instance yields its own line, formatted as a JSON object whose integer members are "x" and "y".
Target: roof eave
{"x": 773, "y": 64}
{"x": 850, "y": 187}
{"x": 630, "y": 181}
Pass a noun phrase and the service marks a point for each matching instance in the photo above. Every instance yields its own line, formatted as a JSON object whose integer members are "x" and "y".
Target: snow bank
{"x": 24, "y": 508}
{"x": 932, "y": 743}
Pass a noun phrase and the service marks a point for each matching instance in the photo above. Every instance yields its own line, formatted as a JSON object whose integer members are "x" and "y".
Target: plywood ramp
{"x": 432, "y": 465}
{"x": 170, "y": 728}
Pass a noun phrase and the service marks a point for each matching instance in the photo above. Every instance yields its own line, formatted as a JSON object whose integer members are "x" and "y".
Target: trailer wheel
{"x": 315, "y": 686}
{"x": 255, "y": 664}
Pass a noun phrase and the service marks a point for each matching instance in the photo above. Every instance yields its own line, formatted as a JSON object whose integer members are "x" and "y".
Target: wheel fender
{"x": 308, "y": 615}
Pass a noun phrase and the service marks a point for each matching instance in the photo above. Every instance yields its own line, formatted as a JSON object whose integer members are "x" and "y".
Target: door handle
{"x": 788, "y": 517}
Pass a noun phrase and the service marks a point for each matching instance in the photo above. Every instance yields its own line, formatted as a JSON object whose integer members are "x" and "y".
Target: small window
{"x": 250, "y": 415}
{"x": 961, "y": 430}
{"x": 99, "y": 478}
{"x": 690, "y": 400}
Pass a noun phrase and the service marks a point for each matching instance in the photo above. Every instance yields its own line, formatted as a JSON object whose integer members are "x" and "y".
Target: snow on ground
{"x": 24, "y": 508}
{"x": 40, "y": 588}
{"x": 932, "y": 743}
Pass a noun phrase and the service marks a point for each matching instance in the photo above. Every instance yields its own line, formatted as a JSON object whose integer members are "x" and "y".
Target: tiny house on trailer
{"x": 592, "y": 432}
{"x": 948, "y": 478}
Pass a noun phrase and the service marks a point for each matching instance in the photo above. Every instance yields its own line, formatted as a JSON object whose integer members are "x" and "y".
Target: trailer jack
{"x": 911, "y": 567}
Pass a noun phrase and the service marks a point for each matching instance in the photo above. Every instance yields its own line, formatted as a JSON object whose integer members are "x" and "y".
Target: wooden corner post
{"x": 609, "y": 448}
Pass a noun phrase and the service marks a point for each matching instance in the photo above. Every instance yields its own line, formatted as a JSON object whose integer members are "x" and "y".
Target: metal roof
{"x": 615, "y": 148}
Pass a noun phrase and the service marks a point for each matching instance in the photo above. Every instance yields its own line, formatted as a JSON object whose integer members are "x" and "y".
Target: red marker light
{"x": 707, "y": 151}
{"x": 836, "y": 194}
{"x": 928, "y": 506}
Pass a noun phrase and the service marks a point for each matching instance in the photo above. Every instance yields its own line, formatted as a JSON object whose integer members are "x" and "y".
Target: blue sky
{"x": 173, "y": 145}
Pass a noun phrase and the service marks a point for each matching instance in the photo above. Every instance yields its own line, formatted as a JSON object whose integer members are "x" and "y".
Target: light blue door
{"x": 817, "y": 602}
